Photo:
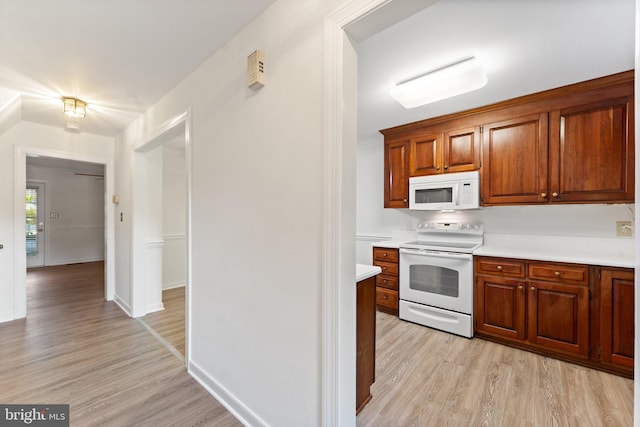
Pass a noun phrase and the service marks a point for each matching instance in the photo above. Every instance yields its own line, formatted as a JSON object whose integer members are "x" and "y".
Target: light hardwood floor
{"x": 76, "y": 348}
{"x": 426, "y": 377}
{"x": 170, "y": 322}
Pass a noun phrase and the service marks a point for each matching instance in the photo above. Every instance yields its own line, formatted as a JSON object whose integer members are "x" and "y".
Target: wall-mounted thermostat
{"x": 255, "y": 70}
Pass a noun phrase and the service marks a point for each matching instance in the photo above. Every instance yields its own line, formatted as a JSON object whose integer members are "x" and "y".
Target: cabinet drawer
{"x": 387, "y": 298}
{"x": 573, "y": 273}
{"x": 505, "y": 267}
{"x": 385, "y": 281}
{"x": 387, "y": 267}
{"x": 385, "y": 254}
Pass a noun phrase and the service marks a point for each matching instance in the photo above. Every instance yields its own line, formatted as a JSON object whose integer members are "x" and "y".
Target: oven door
{"x": 438, "y": 279}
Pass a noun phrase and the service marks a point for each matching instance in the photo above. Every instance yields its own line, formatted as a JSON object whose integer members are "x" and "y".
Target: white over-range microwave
{"x": 449, "y": 191}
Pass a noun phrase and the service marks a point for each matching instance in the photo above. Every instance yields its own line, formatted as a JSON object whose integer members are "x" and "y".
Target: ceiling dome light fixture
{"x": 445, "y": 82}
{"x": 74, "y": 107}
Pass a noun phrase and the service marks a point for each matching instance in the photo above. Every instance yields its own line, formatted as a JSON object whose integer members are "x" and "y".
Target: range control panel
{"x": 454, "y": 226}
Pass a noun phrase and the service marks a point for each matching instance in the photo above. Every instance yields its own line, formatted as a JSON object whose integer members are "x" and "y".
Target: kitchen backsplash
{"x": 545, "y": 220}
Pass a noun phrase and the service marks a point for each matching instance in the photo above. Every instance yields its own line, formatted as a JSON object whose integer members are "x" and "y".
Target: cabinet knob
{"x": 554, "y": 194}
{"x": 533, "y": 289}
{"x": 557, "y": 273}
{"x": 384, "y": 297}
{"x": 384, "y": 254}
{"x": 446, "y": 166}
{"x": 404, "y": 200}
{"x": 543, "y": 195}
{"x": 384, "y": 268}
{"x": 384, "y": 281}
{"x": 520, "y": 287}
{"x": 499, "y": 268}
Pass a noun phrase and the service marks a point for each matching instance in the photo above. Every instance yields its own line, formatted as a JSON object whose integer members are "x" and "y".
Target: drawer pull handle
{"x": 384, "y": 268}
{"x": 384, "y": 254}
{"x": 557, "y": 273}
{"x": 384, "y": 297}
{"x": 499, "y": 268}
{"x": 384, "y": 281}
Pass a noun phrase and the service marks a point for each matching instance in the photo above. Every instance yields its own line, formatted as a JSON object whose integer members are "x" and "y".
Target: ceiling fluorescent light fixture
{"x": 451, "y": 80}
{"x": 74, "y": 107}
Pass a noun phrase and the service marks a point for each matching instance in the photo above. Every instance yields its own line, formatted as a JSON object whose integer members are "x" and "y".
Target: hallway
{"x": 76, "y": 348}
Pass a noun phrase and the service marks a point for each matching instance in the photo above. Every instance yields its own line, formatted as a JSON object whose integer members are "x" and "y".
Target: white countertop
{"x": 611, "y": 252}
{"x": 605, "y": 251}
{"x": 364, "y": 271}
{"x": 393, "y": 244}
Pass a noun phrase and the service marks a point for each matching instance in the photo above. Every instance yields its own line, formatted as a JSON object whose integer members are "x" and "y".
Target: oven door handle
{"x": 436, "y": 254}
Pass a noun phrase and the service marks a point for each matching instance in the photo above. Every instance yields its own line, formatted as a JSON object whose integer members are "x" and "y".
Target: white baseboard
{"x": 173, "y": 285}
{"x": 155, "y": 307}
{"x": 73, "y": 261}
{"x": 6, "y": 316}
{"x": 123, "y": 305}
{"x": 239, "y": 410}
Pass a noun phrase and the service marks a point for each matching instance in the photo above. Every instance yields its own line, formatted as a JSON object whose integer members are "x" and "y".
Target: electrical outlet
{"x": 624, "y": 229}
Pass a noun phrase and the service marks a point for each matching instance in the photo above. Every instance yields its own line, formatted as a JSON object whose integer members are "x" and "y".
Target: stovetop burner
{"x": 452, "y": 236}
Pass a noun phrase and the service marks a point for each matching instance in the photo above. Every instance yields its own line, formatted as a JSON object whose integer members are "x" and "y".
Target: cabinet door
{"x": 617, "y": 317}
{"x": 558, "y": 317}
{"x": 499, "y": 307}
{"x": 462, "y": 150}
{"x": 425, "y": 155}
{"x": 396, "y": 183}
{"x": 592, "y": 152}
{"x": 515, "y": 161}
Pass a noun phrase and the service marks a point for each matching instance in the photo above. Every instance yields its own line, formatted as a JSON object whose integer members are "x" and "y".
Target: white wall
{"x": 174, "y": 184}
{"x": 257, "y": 215}
{"x": 77, "y": 234}
{"x": 43, "y": 137}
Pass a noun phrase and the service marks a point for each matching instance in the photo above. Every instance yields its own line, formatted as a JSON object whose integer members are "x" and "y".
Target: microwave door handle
{"x": 456, "y": 194}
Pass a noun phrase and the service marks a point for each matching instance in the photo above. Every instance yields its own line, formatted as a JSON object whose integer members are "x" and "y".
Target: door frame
{"x": 42, "y": 185}
{"x": 338, "y": 270}
{"x": 20, "y": 154}
{"x": 179, "y": 125}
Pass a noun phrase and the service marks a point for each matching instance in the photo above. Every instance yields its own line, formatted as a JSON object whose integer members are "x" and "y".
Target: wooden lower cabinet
{"x": 365, "y": 340}
{"x": 387, "y": 282}
{"x": 549, "y": 308}
{"x": 558, "y": 317}
{"x": 617, "y": 317}
{"x": 499, "y": 307}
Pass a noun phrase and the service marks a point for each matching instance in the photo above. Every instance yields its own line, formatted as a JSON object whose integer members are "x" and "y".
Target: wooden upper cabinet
{"x": 591, "y": 157}
{"x": 461, "y": 150}
{"x": 573, "y": 144}
{"x": 425, "y": 155}
{"x": 396, "y": 184}
{"x": 515, "y": 160}
{"x": 451, "y": 151}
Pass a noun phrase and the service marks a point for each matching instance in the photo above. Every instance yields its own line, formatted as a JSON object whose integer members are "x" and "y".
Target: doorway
{"x": 168, "y": 321}
{"x": 21, "y": 154}
{"x": 34, "y": 224}
{"x": 161, "y": 233}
